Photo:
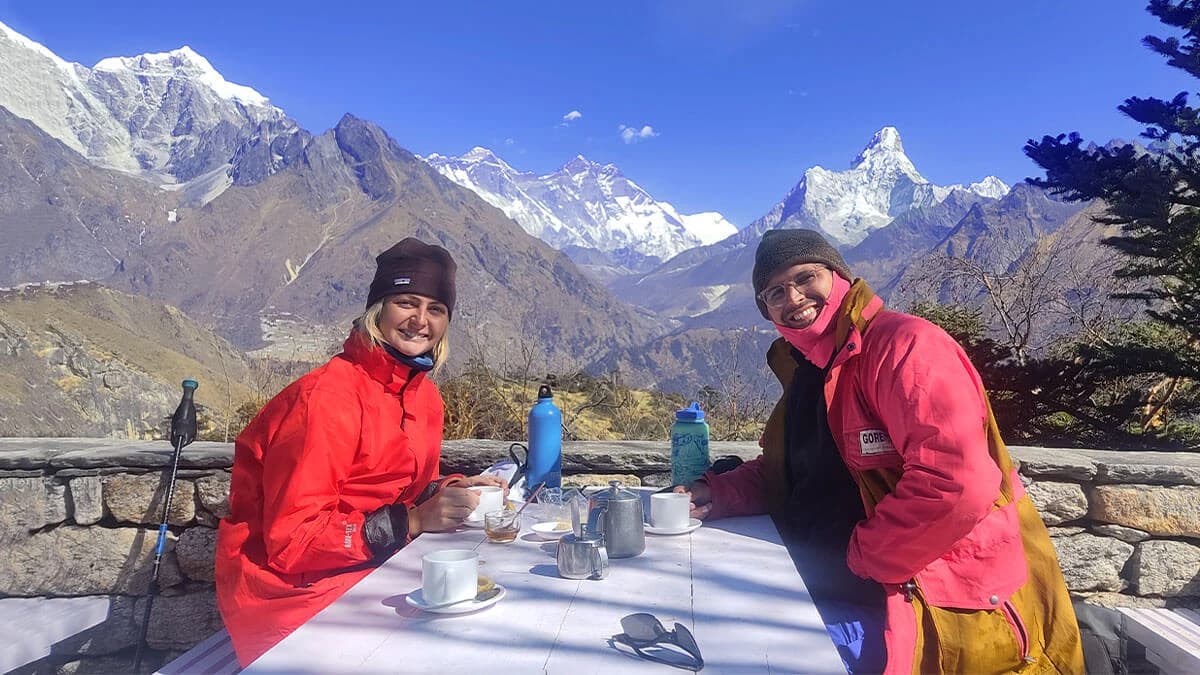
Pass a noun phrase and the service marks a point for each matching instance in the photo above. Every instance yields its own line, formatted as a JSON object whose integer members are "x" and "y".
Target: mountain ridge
{"x": 584, "y": 205}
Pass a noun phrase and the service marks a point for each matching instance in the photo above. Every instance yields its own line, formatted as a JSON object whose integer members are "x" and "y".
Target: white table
{"x": 730, "y": 582}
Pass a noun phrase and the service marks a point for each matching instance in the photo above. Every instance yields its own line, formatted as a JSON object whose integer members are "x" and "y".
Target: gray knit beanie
{"x": 780, "y": 248}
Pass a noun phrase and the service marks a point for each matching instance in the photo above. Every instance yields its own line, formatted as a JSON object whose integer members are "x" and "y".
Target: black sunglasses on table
{"x": 645, "y": 634}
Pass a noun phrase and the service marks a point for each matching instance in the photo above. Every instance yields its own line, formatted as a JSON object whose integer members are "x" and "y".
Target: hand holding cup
{"x": 701, "y": 498}
{"x": 445, "y": 510}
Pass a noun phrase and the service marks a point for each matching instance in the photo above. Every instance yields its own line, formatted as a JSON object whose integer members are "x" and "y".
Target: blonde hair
{"x": 367, "y": 326}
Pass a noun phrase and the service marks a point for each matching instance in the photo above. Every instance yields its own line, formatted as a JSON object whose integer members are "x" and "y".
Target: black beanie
{"x": 412, "y": 266}
{"x": 792, "y": 247}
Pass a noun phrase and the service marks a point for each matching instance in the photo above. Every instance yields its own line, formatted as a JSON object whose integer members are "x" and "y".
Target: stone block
{"x": 182, "y": 621}
{"x": 86, "y": 499}
{"x": 111, "y": 453}
{"x": 213, "y": 493}
{"x": 1161, "y": 511}
{"x": 1167, "y": 568}
{"x": 1125, "y": 534}
{"x": 1058, "y": 502}
{"x": 139, "y": 498}
{"x": 29, "y": 504}
{"x": 657, "y": 479}
{"x": 170, "y": 577}
{"x": 196, "y": 551}
{"x": 582, "y": 480}
{"x": 1115, "y": 600}
{"x": 73, "y": 560}
{"x": 1092, "y": 563}
{"x": 1142, "y": 466}
{"x": 1054, "y": 463}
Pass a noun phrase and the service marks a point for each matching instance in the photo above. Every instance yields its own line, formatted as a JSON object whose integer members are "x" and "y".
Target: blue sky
{"x": 742, "y": 97}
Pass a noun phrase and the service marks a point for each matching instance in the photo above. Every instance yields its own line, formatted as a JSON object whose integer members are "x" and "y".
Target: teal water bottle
{"x": 689, "y": 445}
{"x": 545, "y": 442}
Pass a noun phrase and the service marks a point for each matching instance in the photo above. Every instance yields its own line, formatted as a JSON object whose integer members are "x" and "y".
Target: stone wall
{"x": 78, "y": 517}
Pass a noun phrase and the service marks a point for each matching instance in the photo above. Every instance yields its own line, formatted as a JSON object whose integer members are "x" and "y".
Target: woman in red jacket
{"x": 886, "y": 476}
{"x": 340, "y": 469}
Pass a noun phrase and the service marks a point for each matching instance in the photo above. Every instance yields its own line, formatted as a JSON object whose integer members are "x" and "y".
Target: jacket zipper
{"x": 1018, "y": 628}
{"x": 412, "y": 375}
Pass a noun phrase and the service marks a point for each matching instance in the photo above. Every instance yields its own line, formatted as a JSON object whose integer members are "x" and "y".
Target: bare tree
{"x": 736, "y": 405}
{"x": 1030, "y": 295}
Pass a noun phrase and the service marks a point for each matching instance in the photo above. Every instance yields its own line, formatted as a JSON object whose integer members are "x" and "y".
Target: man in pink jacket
{"x": 885, "y": 473}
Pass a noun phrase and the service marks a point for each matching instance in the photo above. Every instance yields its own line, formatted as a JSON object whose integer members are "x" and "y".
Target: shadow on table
{"x": 530, "y": 607}
{"x": 685, "y": 606}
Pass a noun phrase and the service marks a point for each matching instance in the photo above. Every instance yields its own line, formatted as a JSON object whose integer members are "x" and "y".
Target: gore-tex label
{"x": 874, "y": 442}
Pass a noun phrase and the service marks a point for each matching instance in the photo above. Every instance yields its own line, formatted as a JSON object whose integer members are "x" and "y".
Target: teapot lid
{"x": 614, "y": 493}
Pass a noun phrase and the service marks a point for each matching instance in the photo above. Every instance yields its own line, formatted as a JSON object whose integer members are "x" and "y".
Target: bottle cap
{"x": 692, "y": 413}
{"x": 544, "y": 391}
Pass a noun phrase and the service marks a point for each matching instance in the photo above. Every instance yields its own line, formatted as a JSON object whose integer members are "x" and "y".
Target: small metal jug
{"x": 618, "y": 516}
{"x": 582, "y": 557}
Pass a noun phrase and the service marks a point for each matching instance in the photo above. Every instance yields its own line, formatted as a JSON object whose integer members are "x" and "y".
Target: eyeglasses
{"x": 645, "y": 634}
{"x": 777, "y": 295}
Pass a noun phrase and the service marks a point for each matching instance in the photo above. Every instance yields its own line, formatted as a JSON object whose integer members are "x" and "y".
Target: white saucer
{"x": 546, "y": 530}
{"x": 417, "y": 599}
{"x": 693, "y": 523}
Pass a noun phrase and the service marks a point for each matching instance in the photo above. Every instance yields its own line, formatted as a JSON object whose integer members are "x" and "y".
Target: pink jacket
{"x": 912, "y": 399}
{"x": 910, "y": 419}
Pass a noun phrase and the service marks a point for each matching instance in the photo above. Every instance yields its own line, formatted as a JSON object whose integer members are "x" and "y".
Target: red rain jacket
{"x": 359, "y": 433}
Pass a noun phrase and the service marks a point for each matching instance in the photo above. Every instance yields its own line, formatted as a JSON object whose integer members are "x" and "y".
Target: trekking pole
{"x": 183, "y": 431}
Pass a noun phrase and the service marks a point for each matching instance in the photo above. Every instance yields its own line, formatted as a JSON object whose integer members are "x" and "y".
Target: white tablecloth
{"x": 730, "y": 582}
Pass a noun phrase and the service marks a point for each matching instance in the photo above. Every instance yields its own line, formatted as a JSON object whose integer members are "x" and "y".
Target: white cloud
{"x": 509, "y": 141}
{"x": 572, "y": 116}
{"x": 633, "y": 134}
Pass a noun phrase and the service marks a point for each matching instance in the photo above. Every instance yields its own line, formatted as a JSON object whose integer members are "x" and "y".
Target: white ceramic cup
{"x": 669, "y": 510}
{"x": 449, "y": 576}
{"x": 491, "y": 498}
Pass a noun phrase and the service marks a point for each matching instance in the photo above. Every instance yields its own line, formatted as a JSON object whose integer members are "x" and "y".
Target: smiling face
{"x": 796, "y": 295}
{"x": 412, "y": 323}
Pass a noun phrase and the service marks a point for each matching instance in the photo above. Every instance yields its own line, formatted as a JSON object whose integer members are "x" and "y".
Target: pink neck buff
{"x": 816, "y": 341}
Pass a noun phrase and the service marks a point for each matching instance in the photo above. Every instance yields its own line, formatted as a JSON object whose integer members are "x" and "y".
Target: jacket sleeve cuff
{"x": 386, "y": 529}
{"x": 739, "y": 492}
{"x": 437, "y": 486}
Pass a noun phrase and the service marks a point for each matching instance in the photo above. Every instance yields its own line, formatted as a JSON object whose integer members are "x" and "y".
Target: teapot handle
{"x": 600, "y": 562}
{"x": 595, "y": 522}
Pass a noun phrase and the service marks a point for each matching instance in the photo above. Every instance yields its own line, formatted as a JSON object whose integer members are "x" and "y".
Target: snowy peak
{"x": 169, "y": 117}
{"x": 990, "y": 187}
{"x": 885, "y": 143}
{"x": 881, "y": 184}
{"x": 25, "y": 43}
{"x": 584, "y": 204}
{"x": 478, "y": 154}
{"x": 883, "y": 159}
{"x": 182, "y": 63}
{"x": 578, "y": 164}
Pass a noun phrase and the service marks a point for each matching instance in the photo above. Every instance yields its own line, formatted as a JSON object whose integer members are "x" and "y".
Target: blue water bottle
{"x": 545, "y": 442}
{"x": 689, "y": 445}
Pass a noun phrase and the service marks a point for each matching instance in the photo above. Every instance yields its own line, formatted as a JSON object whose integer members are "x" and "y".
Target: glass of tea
{"x": 501, "y": 527}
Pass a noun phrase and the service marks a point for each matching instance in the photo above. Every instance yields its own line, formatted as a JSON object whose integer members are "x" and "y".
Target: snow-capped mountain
{"x": 881, "y": 184}
{"x": 170, "y": 117}
{"x": 585, "y": 205}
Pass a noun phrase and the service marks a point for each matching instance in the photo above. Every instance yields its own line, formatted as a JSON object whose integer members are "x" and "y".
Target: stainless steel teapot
{"x": 617, "y": 514}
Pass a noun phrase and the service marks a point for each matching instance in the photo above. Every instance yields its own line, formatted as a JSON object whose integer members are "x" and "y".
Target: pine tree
{"x": 1152, "y": 193}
